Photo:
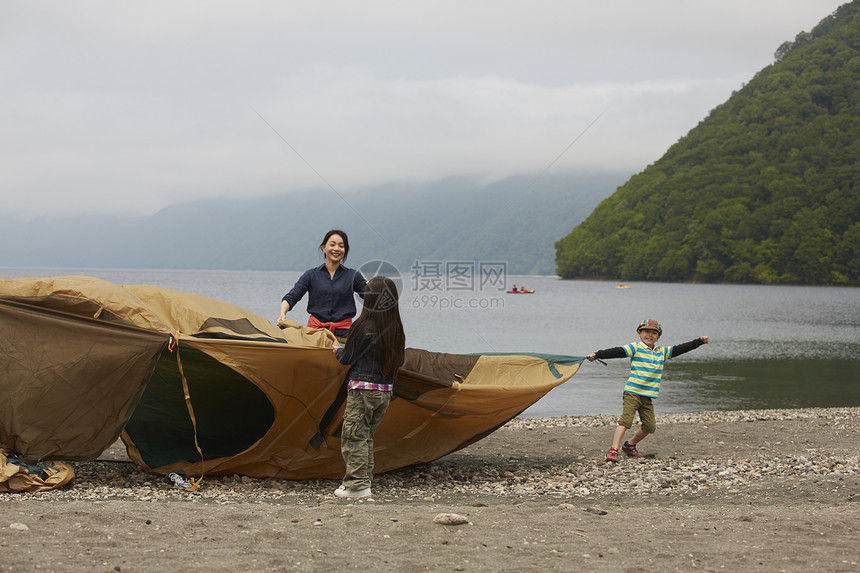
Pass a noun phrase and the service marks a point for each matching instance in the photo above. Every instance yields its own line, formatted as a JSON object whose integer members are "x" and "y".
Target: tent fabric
{"x": 248, "y": 394}
{"x": 68, "y": 383}
{"x": 17, "y": 476}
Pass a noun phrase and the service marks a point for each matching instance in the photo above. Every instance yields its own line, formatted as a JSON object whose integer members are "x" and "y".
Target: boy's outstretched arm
{"x": 616, "y": 352}
{"x": 680, "y": 349}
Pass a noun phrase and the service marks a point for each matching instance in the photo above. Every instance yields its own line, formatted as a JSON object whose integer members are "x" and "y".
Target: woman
{"x": 330, "y": 288}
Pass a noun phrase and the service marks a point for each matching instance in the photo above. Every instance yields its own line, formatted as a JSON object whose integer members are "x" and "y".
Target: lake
{"x": 771, "y": 346}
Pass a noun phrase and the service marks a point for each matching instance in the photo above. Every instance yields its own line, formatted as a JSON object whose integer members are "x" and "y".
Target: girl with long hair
{"x": 374, "y": 350}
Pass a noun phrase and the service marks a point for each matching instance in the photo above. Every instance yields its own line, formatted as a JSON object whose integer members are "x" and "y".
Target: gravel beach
{"x": 765, "y": 490}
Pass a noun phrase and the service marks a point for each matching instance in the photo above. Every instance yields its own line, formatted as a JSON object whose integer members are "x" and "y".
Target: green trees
{"x": 764, "y": 190}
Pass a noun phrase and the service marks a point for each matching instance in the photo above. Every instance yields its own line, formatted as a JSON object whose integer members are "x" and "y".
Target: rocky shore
{"x": 535, "y": 490}
{"x": 523, "y": 472}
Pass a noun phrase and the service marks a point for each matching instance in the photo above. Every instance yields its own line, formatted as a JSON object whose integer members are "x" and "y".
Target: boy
{"x": 646, "y": 370}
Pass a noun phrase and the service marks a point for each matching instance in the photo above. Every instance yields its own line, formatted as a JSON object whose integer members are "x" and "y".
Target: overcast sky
{"x": 126, "y": 107}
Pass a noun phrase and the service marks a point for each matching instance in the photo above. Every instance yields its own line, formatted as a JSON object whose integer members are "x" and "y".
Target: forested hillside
{"x": 766, "y": 189}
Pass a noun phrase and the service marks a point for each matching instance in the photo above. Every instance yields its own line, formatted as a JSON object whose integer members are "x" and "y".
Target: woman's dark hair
{"x": 381, "y": 314}
{"x": 342, "y": 236}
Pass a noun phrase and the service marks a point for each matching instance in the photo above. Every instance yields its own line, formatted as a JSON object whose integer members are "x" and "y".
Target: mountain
{"x": 514, "y": 221}
{"x": 766, "y": 189}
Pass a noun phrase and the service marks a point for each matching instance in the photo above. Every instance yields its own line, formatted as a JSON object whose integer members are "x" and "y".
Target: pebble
{"x": 451, "y": 519}
{"x": 100, "y": 481}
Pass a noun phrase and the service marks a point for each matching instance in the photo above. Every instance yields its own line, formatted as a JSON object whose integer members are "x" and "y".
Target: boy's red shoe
{"x": 612, "y": 455}
{"x": 630, "y": 450}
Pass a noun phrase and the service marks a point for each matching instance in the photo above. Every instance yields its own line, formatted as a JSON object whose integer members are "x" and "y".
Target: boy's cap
{"x": 650, "y": 323}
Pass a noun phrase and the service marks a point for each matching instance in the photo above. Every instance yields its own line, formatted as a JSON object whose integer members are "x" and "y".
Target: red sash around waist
{"x": 344, "y": 324}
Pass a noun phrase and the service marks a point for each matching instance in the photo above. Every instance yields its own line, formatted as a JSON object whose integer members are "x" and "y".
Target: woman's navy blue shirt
{"x": 329, "y": 299}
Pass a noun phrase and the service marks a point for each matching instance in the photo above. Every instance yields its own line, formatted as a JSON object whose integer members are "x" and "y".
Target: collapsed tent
{"x": 17, "y": 476}
{"x": 203, "y": 386}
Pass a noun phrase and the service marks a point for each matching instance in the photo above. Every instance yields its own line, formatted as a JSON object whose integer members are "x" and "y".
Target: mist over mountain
{"x": 516, "y": 221}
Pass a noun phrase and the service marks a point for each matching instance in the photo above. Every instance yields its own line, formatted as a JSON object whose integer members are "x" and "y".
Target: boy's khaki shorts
{"x": 635, "y": 403}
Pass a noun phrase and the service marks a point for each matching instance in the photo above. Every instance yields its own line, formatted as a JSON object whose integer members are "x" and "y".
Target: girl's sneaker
{"x": 345, "y": 492}
{"x": 612, "y": 455}
{"x": 630, "y": 450}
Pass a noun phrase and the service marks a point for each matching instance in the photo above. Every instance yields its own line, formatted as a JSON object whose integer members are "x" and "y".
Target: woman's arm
{"x": 295, "y": 295}
{"x": 359, "y": 283}
{"x": 285, "y": 308}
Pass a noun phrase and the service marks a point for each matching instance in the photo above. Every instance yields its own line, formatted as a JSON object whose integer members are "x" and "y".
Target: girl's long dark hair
{"x": 381, "y": 315}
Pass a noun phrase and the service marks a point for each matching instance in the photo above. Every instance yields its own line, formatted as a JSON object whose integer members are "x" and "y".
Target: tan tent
{"x": 17, "y": 476}
{"x": 200, "y": 385}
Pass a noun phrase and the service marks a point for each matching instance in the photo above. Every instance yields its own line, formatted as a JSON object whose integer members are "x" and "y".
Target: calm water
{"x": 771, "y": 346}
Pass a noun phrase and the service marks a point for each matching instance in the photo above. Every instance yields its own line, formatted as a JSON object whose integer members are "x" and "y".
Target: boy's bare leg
{"x": 619, "y": 435}
{"x": 637, "y": 437}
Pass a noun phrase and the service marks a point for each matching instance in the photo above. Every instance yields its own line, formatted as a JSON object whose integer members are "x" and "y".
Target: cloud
{"x": 129, "y": 107}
